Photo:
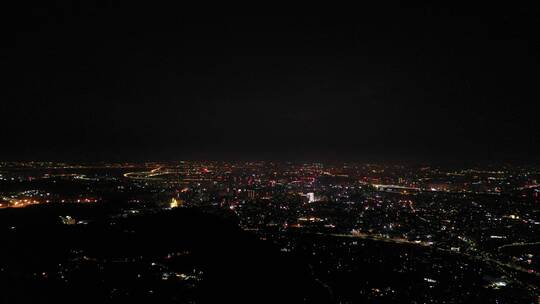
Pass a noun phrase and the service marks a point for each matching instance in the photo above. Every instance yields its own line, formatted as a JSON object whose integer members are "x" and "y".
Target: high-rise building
{"x": 251, "y": 194}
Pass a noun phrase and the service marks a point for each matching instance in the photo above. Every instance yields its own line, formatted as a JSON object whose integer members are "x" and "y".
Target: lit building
{"x": 176, "y": 203}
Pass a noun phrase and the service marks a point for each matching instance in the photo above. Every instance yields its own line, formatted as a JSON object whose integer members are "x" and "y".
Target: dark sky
{"x": 105, "y": 82}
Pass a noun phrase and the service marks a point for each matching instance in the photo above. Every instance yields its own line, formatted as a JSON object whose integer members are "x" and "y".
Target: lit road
{"x": 149, "y": 175}
{"x": 482, "y": 256}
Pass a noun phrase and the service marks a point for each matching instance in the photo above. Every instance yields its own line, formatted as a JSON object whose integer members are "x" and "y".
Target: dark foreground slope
{"x": 177, "y": 256}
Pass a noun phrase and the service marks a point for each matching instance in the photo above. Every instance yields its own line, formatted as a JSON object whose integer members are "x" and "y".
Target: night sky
{"x": 105, "y": 82}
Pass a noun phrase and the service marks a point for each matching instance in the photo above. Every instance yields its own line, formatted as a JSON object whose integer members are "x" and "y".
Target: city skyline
{"x": 163, "y": 153}
{"x": 204, "y": 231}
